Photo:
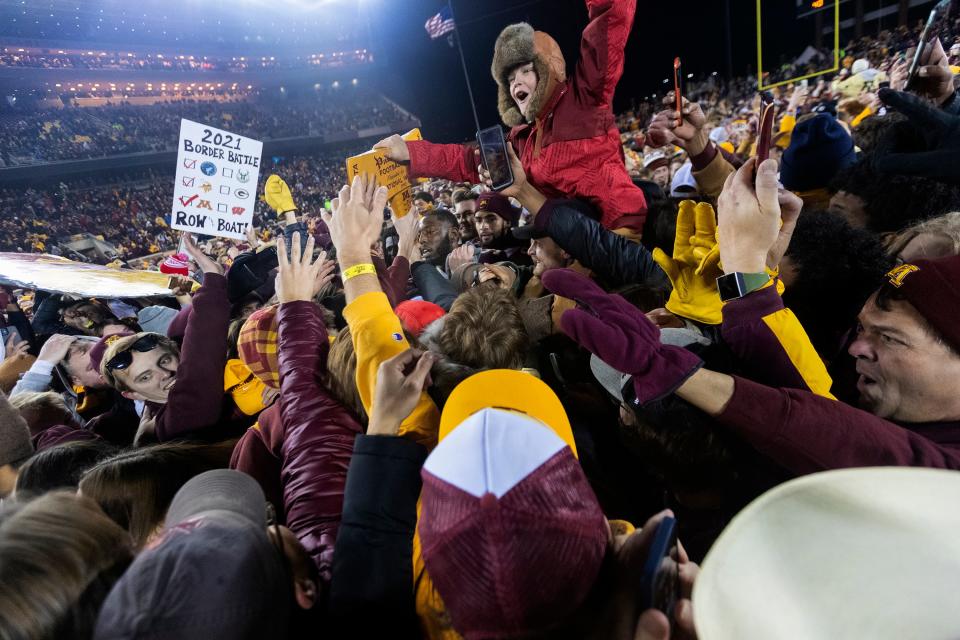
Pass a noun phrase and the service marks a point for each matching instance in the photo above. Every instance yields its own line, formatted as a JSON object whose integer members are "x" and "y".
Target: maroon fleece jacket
{"x": 806, "y": 433}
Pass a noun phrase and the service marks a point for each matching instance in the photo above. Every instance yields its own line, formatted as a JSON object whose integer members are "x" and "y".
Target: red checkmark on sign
{"x": 186, "y": 202}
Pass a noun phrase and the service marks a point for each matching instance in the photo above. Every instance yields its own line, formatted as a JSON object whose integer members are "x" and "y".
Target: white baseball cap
{"x": 856, "y": 553}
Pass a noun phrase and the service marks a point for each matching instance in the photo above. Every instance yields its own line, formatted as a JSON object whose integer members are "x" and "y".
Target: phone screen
{"x": 678, "y": 90}
{"x": 935, "y": 24}
{"x": 493, "y": 151}
{"x": 660, "y": 580}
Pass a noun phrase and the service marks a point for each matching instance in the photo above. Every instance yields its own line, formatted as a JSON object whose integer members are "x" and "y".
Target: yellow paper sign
{"x": 388, "y": 173}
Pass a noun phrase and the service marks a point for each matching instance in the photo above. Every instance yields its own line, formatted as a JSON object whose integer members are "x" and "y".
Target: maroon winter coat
{"x": 258, "y": 454}
{"x": 806, "y": 433}
{"x": 318, "y": 434}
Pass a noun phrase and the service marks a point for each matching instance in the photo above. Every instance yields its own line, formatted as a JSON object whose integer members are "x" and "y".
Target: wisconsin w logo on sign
{"x": 243, "y": 176}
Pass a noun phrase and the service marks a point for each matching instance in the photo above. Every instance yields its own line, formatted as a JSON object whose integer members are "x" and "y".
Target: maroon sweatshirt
{"x": 806, "y": 433}
{"x": 196, "y": 400}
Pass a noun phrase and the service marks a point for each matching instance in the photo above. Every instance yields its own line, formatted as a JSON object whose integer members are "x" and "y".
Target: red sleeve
{"x": 455, "y": 162}
{"x": 806, "y": 433}
{"x": 318, "y": 435}
{"x": 196, "y": 399}
{"x": 601, "y": 49}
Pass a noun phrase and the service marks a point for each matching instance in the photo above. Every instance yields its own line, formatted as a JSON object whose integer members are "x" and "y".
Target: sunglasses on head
{"x": 123, "y": 360}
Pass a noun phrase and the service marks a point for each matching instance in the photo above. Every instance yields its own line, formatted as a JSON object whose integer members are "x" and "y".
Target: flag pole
{"x": 463, "y": 63}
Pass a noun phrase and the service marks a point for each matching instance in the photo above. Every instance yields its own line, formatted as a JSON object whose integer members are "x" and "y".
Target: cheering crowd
{"x": 88, "y": 132}
{"x": 130, "y": 209}
{"x": 656, "y": 387}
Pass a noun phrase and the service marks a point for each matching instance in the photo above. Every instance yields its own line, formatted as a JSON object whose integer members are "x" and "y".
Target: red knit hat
{"x": 178, "y": 264}
{"x": 512, "y": 534}
{"x": 933, "y": 288}
{"x": 417, "y": 314}
{"x": 257, "y": 345}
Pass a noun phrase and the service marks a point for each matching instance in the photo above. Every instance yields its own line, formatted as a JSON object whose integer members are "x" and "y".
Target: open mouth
{"x": 865, "y": 382}
{"x": 522, "y": 96}
{"x": 170, "y": 385}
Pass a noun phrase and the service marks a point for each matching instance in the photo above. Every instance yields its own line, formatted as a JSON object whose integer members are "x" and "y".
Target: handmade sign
{"x": 215, "y": 188}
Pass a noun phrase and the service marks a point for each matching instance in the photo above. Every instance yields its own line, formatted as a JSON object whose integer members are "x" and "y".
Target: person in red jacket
{"x": 563, "y": 129}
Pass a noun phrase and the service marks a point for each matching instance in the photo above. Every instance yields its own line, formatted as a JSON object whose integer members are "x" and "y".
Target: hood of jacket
{"x": 519, "y": 44}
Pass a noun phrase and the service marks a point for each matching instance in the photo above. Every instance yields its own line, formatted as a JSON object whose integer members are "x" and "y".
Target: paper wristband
{"x": 359, "y": 270}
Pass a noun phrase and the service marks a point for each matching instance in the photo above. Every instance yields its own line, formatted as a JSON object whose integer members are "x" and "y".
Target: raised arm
{"x": 377, "y": 333}
{"x": 755, "y": 226}
{"x": 611, "y": 256}
{"x": 319, "y": 432}
{"x": 601, "y": 49}
{"x": 196, "y": 399}
{"x": 455, "y": 162}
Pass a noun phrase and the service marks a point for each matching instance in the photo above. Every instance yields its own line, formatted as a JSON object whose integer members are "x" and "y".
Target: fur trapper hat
{"x": 519, "y": 44}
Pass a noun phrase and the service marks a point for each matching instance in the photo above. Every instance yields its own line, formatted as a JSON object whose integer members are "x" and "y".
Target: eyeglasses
{"x": 123, "y": 360}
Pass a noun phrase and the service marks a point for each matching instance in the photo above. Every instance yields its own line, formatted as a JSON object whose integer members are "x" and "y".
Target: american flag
{"x": 440, "y": 24}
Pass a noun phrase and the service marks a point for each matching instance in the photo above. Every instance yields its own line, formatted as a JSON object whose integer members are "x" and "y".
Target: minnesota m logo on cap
{"x": 898, "y": 274}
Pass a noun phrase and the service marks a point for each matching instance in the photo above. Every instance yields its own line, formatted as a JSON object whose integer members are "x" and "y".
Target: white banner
{"x": 215, "y": 188}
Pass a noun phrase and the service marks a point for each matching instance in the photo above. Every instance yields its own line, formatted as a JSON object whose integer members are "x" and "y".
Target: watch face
{"x": 729, "y": 286}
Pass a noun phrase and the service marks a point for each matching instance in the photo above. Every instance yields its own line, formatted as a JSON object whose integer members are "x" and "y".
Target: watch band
{"x": 736, "y": 285}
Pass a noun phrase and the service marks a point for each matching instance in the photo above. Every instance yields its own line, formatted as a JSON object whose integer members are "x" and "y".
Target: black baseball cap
{"x": 528, "y": 232}
{"x": 212, "y": 573}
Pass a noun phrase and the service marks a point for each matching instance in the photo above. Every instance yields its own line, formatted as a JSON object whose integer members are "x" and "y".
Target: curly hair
{"x": 892, "y": 201}
{"x": 838, "y": 268}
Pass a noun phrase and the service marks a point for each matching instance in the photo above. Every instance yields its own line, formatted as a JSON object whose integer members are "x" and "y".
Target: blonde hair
{"x": 125, "y": 343}
{"x": 38, "y": 401}
{"x": 342, "y": 374}
{"x": 484, "y": 330}
{"x": 946, "y": 226}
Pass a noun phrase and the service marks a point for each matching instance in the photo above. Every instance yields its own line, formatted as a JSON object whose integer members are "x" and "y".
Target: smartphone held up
{"x": 493, "y": 153}
{"x": 936, "y": 24}
{"x": 678, "y": 90}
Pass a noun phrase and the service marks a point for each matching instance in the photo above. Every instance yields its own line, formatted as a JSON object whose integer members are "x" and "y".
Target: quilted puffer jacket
{"x": 319, "y": 433}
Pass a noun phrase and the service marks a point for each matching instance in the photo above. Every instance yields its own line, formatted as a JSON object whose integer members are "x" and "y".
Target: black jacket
{"x": 371, "y": 592}
{"x": 614, "y": 258}
{"x": 432, "y": 285}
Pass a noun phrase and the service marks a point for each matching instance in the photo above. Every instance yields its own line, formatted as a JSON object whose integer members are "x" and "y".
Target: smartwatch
{"x": 736, "y": 285}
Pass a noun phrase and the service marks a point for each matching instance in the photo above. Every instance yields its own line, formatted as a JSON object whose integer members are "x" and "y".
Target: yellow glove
{"x": 695, "y": 265}
{"x": 278, "y": 196}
